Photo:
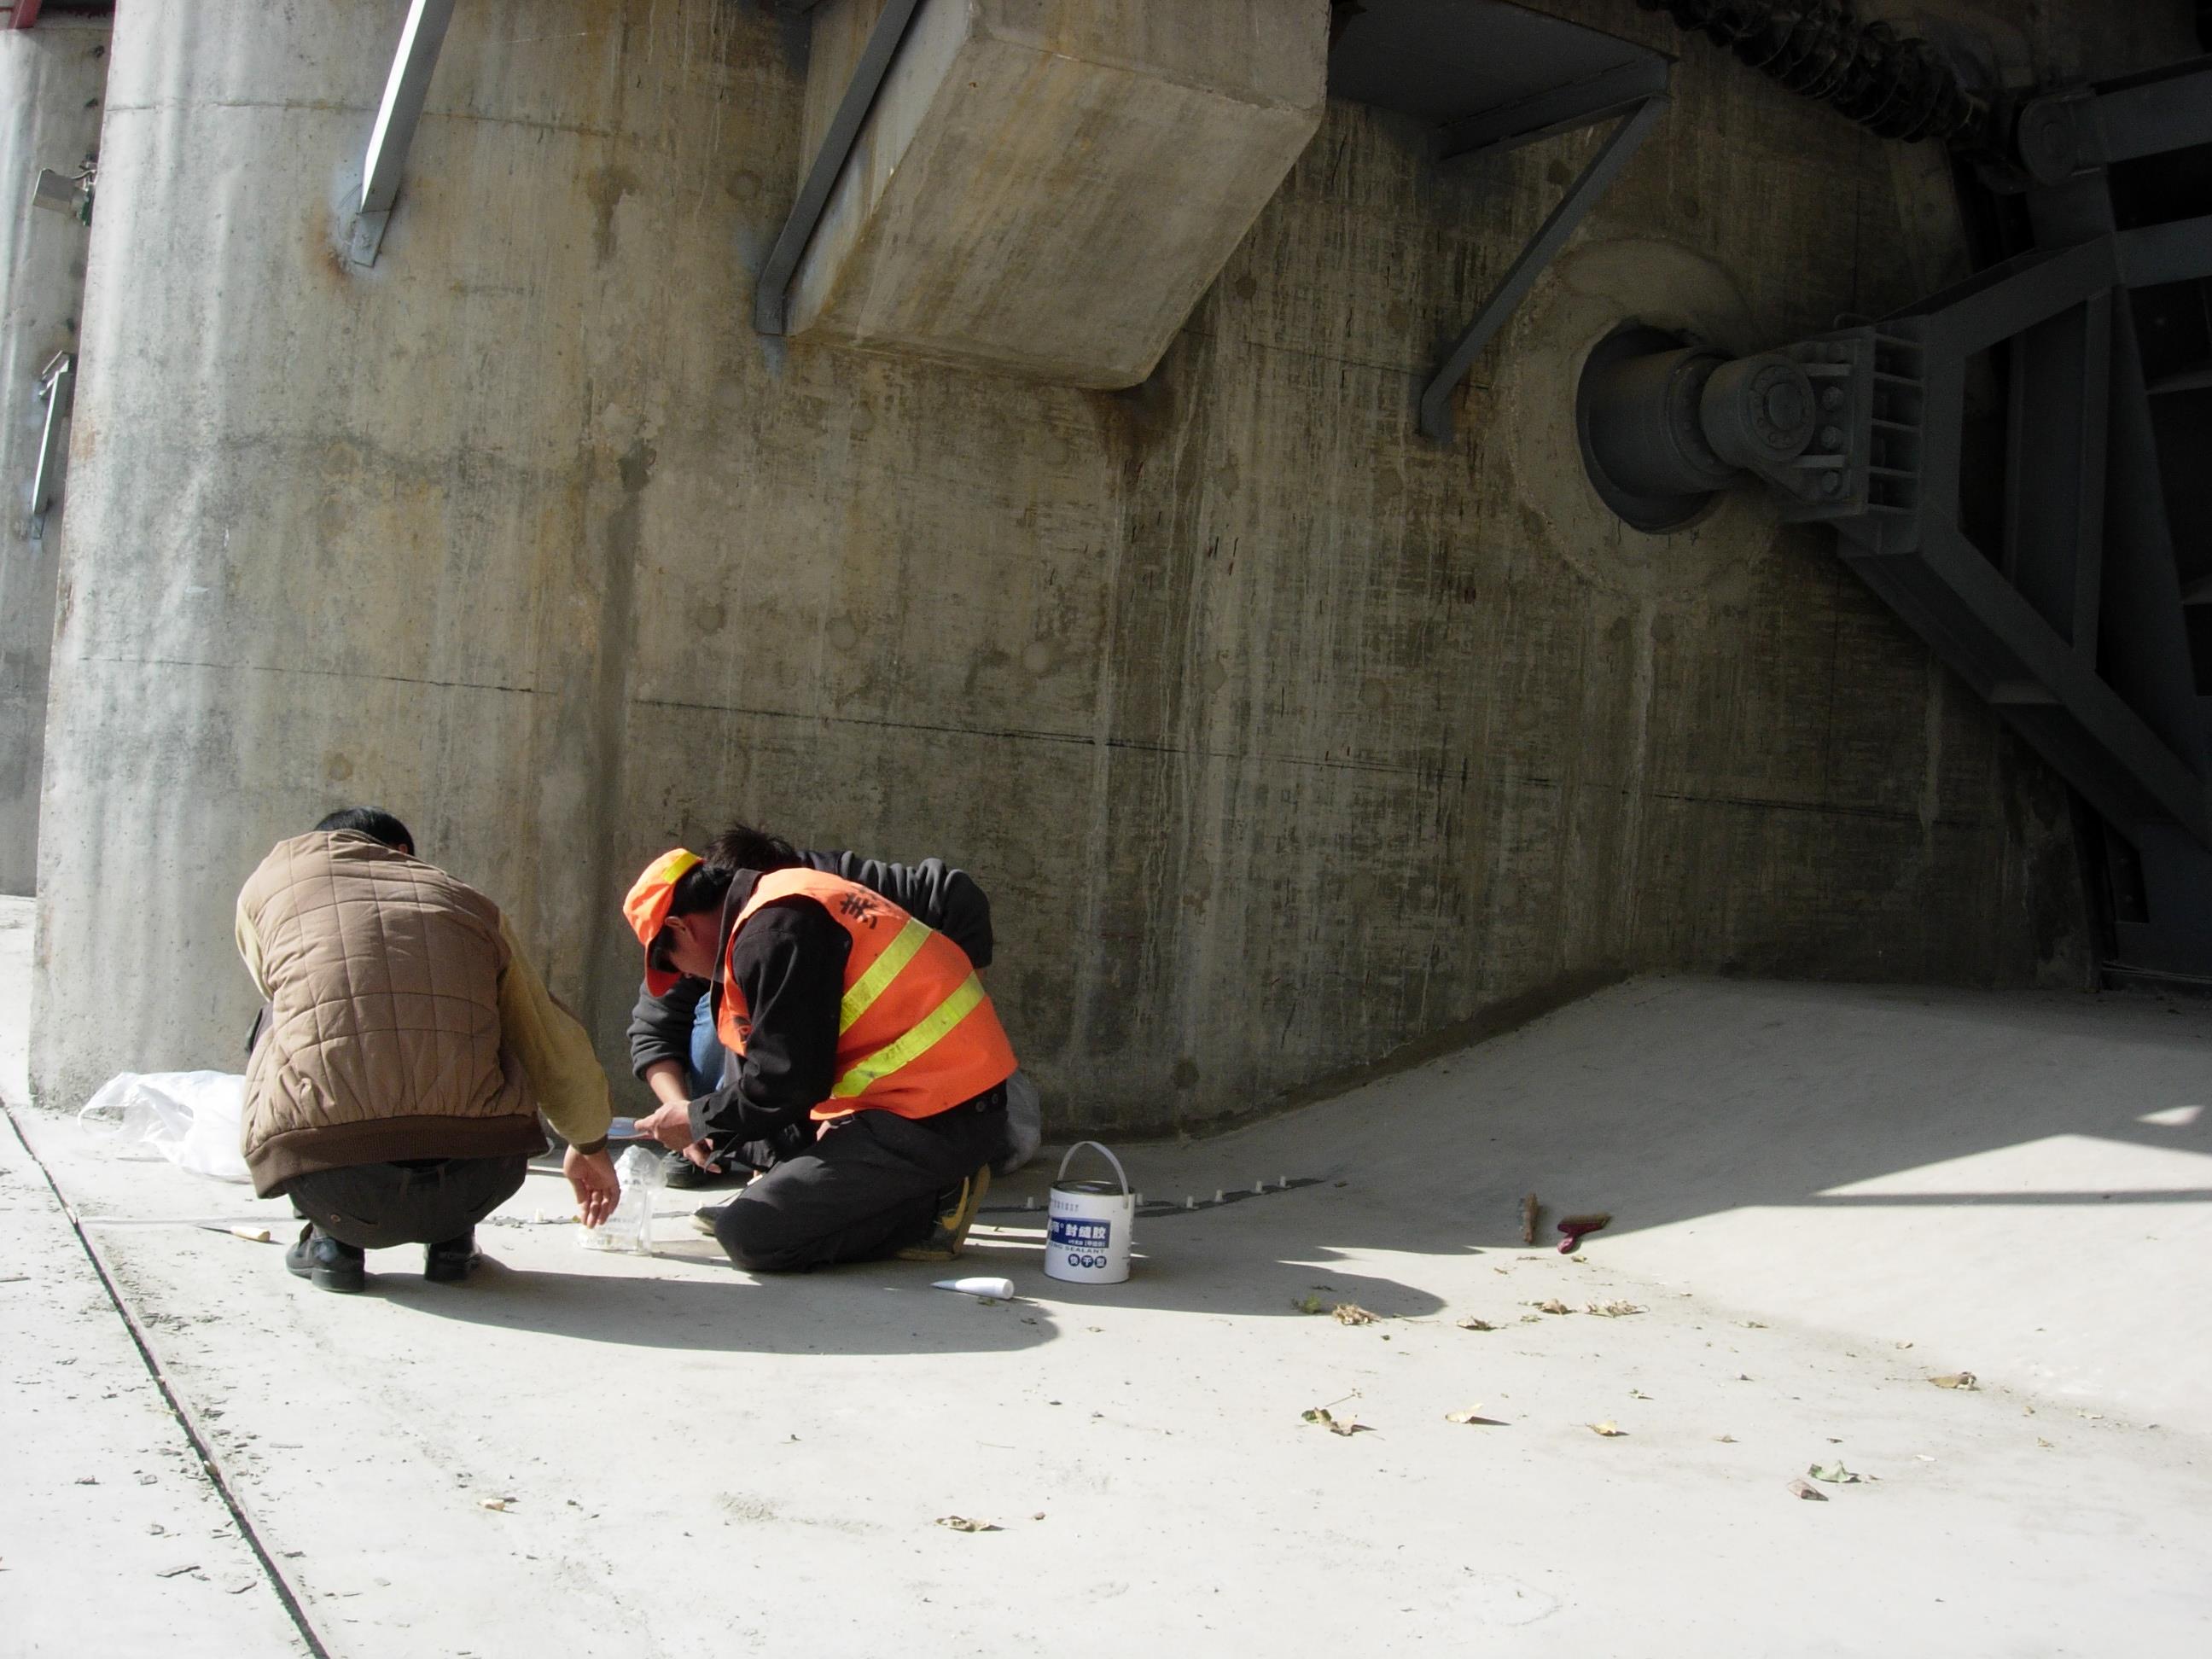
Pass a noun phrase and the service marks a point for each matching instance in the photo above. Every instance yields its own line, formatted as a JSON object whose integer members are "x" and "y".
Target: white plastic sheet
{"x": 190, "y": 1118}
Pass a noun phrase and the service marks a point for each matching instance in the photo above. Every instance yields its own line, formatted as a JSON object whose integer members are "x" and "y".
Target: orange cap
{"x": 647, "y": 910}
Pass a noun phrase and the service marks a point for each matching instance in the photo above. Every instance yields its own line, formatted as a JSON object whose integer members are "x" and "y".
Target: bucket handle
{"x": 1102, "y": 1151}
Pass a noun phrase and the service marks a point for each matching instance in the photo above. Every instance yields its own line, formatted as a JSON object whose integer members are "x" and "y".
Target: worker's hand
{"x": 592, "y": 1176}
{"x": 701, "y": 1153}
{"x": 671, "y": 1126}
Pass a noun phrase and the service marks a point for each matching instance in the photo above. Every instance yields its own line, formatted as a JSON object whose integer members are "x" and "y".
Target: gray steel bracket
{"x": 58, "y": 391}
{"x": 404, "y": 90}
{"x": 771, "y": 295}
{"x": 1597, "y": 177}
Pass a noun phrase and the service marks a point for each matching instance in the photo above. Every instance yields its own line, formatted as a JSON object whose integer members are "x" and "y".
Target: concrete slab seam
{"x": 202, "y": 1449}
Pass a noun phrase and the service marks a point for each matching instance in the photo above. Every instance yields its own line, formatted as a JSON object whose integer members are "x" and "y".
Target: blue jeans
{"x": 706, "y": 1050}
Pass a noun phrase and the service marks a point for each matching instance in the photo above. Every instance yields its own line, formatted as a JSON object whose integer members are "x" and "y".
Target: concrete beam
{"x": 1048, "y": 188}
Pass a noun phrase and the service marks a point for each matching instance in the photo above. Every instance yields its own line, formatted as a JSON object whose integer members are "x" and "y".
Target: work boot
{"x": 325, "y": 1262}
{"x": 685, "y": 1176}
{"x": 949, "y": 1236}
{"x": 452, "y": 1260}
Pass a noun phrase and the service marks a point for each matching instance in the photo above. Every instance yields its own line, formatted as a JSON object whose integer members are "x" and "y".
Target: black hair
{"x": 741, "y": 847}
{"x": 374, "y": 823}
{"x": 702, "y": 887}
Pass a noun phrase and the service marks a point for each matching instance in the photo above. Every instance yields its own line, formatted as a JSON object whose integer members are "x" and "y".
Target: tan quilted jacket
{"x": 383, "y": 975}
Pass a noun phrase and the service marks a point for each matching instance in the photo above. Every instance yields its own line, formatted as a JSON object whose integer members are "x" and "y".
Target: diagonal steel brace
{"x": 1604, "y": 167}
{"x": 771, "y": 296}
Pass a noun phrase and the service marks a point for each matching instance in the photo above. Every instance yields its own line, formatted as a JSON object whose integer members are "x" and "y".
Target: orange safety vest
{"x": 915, "y": 1034}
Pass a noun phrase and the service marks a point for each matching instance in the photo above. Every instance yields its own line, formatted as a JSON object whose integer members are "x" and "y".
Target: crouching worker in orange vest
{"x": 396, "y": 1073}
{"x": 844, "y": 1010}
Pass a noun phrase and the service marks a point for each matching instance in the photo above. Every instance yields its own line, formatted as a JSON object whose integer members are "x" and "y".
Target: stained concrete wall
{"x": 50, "y": 81}
{"x": 1281, "y": 739}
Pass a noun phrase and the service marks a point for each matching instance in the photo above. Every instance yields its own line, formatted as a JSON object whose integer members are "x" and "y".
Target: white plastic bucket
{"x": 1086, "y": 1235}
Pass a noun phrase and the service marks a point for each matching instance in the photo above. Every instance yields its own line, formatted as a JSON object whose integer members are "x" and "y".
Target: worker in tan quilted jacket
{"x": 396, "y": 1071}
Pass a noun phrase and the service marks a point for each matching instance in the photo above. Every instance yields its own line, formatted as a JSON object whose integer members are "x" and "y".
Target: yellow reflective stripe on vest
{"x": 881, "y": 972}
{"x": 904, "y": 1051}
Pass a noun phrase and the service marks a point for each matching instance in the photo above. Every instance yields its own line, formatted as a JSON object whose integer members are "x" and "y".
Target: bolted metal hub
{"x": 1757, "y": 411}
{"x": 1665, "y": 425}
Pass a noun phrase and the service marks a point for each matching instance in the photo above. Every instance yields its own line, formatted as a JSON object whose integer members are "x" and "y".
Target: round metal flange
{"x": 1638, "y": 419}
{"x": 1758, "y": 410}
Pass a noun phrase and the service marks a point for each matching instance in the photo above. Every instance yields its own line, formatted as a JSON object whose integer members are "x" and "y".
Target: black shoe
{"x": 687, "y": 1176}
{"x": 327, "y": 1264}
{"x": 451, "y": 1261}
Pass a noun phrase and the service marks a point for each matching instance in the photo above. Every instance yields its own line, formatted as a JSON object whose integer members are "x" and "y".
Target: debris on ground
{"x": 1350, "y": 1313}
{"x": 1954, "y": 1380}
{"x": 1609, "y": 1429}
{"x": 1638, "y": 1394}
{"x": 1754, "y": 1324}
{"x": 1836, "y": 1474}
{"x": 1529, "y": 1211}
{"x": 178, "y": 1572}
{"x": 251, "y": 1235}
{"x": 1725, "y": 1439}
{"x": 1574, "y": 1226}
{"x": 1614, "y": 1310}
{"x": 2041, "y": 1442}
{"x": 1310, "y": 1304}
{"x": 1905, "y": 1344}
{"x": 1323, "y": 1415}
{"x": 498, "y": 1504}
{"x": 1552, "y": 1305}
{"x": 966, "y": 1523}
{"x": 1471, "y": 1323}
{"x": 1803, "y": 1488}
{"x": 1473, "y": 1414}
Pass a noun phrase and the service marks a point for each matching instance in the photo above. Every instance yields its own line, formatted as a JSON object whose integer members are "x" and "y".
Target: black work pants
{"x": 870, "y": 1184}
{"x": 420, "y": 1200}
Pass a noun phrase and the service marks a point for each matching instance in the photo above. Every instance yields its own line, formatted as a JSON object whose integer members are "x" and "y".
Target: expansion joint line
{"x": 201, "y": 1448}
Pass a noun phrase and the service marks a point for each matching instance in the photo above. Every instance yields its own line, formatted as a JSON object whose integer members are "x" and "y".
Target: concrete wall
{"x": 1280, "y": 738}
{"x": 50, "y": 81}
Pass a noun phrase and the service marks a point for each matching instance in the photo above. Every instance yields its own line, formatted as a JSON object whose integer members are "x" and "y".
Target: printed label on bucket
{"x": 1071, "y": 1233}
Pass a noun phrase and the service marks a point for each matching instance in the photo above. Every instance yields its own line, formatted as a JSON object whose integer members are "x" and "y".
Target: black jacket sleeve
{"x": 660, "y": 1027}
{"x": 933, "y": 893}
{"x": 789, "y": 961}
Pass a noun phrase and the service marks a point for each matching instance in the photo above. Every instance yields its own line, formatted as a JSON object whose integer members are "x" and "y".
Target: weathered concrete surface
{"x": 1280, "y": 738}
{"x": 1047, "y": 186}
{"x": 51, "y": 80}
{"x": 113, "y": 1540}
{"x": 1802, "y": 1177}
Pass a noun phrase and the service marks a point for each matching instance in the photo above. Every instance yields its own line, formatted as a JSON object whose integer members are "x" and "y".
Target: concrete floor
{"x": 1824, "y": 1196}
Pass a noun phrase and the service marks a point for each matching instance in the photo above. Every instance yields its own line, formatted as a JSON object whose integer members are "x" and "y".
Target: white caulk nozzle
{"x": 1000, "y": 1290}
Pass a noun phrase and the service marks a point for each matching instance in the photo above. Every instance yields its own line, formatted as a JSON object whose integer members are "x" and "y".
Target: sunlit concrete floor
{"x": 1823, "y": 1197}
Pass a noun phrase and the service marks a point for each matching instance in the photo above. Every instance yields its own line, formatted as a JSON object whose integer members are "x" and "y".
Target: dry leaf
{"x": 1609, "y": 1429}
{"x": 1553, "y": 1306}
{"x": 1836, "y": 1474}
{"x": 2041, "y": 1442}
{"x": 1350, "y": 1313}
{"x": 1638, "y": 1394}
{"x": 1725, "y": 1439}
{"x": 1754, "y": 1325}
{"x": 1953, "y": 1380}
{"x": 499, "y": 1503}
{"x": 1531, "y": 1319}
{"x": 1905, "y": 1344}
{"x": 1471, "y": 1323}
{"x": 1320, "y": 1414}
{"x": 1614, "y": 1310}
{"x": 1473, "y": 1414}
{"x": 962, "y": 1523}
{"x": 1806, "y": 1489}
{"x": 1310, "y": 1304}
